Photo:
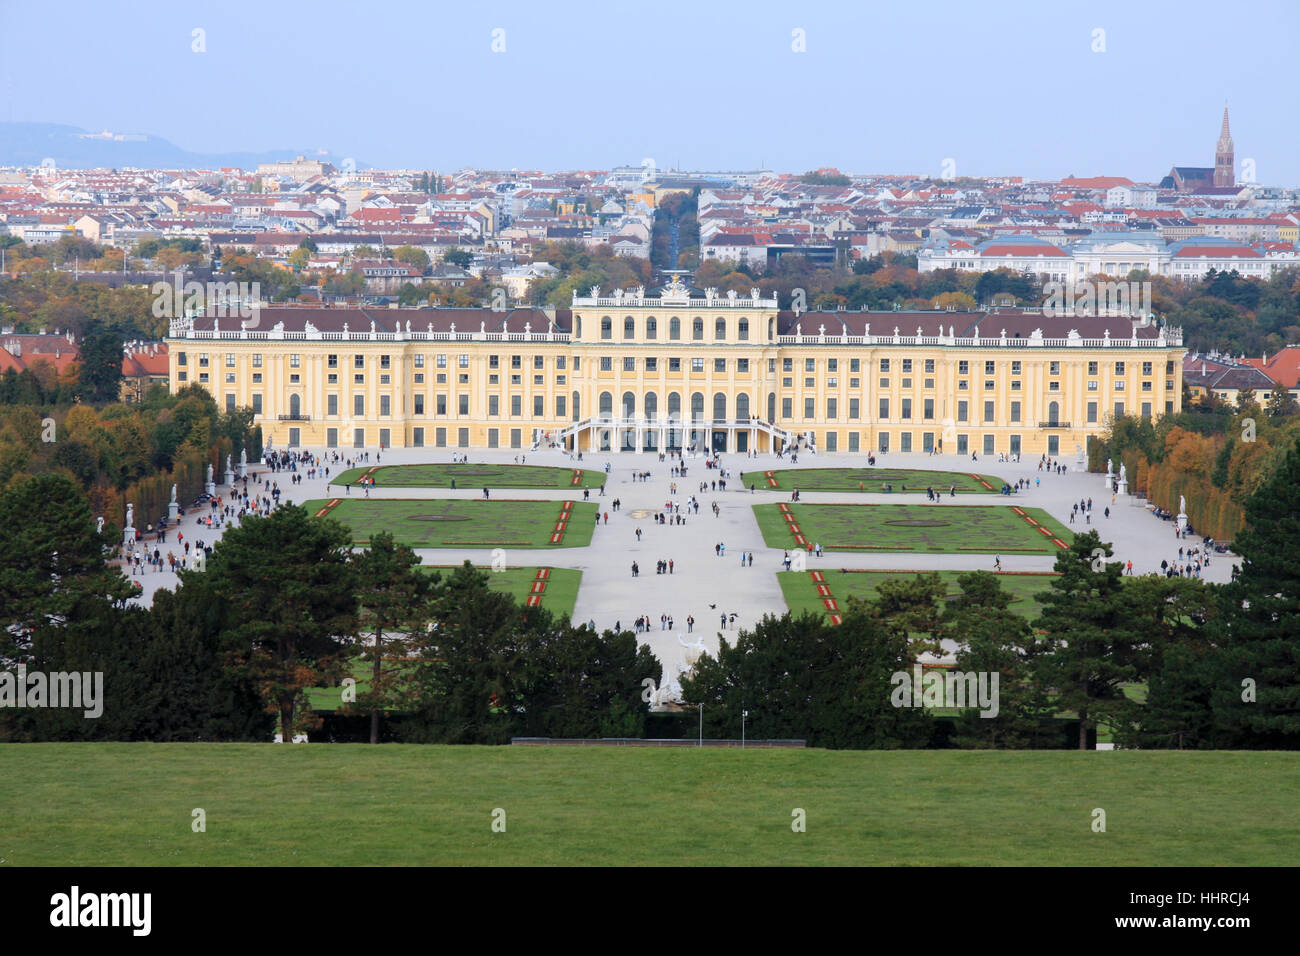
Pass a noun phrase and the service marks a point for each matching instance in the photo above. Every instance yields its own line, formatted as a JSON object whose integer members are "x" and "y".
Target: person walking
{"x": 997, "y": 562}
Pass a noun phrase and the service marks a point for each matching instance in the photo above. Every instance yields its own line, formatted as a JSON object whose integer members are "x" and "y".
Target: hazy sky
{"x": 1001, "y": 88}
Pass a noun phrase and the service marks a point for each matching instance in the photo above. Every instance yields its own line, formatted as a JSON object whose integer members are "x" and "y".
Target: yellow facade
{"x": 633, "y": 372}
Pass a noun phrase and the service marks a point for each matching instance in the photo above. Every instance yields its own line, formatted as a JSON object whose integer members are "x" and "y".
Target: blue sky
{"x": 1005, "y": 88}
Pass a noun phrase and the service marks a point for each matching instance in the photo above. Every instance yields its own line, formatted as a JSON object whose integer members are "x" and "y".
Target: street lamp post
{"x": 743, "y": 715}
{"x": 701, "y": 724}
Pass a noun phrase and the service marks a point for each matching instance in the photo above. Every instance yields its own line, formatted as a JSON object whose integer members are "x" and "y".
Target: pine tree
{"x": 462, "y": 681}
{"x": 290, "y": 588}
{"x": 51, "y": 559}
{"x": 994, "y": 639}
{"x": 393, "y": 593}
{"x": 1256, "y": 696}
{"x": 1172, "y": 614}
{"x": 1092, "y": 647}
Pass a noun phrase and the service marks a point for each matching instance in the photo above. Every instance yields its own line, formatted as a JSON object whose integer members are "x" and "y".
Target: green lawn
{"x": 875, "y": 480}
{"x": 462, "y": 522}
{"x": 473, "y": 476}
{"x": 355, "y": 805}
{"x": 942, "y": 528}
{"x": 559, "y": 597}
{"x": 801, "y": 594}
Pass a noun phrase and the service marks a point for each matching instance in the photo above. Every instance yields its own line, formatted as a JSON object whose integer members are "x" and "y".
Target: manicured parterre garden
{"x": 934, "y": 528}
{"x": 472, "y": 476}
{"x": 873, "y": 480}
{"x": 464, "y": 522}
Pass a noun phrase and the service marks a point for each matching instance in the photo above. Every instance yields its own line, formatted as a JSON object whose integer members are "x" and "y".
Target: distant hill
{"x": 31, "y": 144}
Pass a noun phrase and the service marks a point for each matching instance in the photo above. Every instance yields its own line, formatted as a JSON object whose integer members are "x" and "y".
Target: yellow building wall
{"x": 567, "y": 370}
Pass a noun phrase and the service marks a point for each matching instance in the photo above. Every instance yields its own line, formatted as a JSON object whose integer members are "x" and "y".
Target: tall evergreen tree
{"x": 1172, "y": 613}
{"x": 992, "y": 638}
{"x": 290, "y": 588}
{"x": 462, "y": 678}
{"x": 100, "y": 379}
{"x": 1256, "y": 696}
{"x": 52, "y": 559}
{"x": 393, "y": 593}
{"x": 1092, "y": 646}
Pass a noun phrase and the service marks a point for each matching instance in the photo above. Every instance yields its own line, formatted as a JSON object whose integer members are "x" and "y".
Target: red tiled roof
{"x": 1015, "y": 249}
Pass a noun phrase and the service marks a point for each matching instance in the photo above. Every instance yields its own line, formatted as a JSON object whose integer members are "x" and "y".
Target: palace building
{"x": 681, "y": 368}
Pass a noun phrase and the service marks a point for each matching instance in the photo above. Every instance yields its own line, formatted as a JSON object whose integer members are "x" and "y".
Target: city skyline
{"x": 1017, "y": 91}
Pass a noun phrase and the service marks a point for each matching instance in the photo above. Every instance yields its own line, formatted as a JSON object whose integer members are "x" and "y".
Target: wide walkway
{"x": 706, "y": 586}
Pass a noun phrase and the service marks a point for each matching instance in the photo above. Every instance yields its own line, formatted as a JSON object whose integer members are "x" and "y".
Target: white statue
{"x": 99, "y": 525}
{"x": 1182, "y": 505}
{"x": 130, "y": 516}
{"x": 209, "y": 474}
{"x": 228, "y": 468}
{"x": 1109, "y": 469}
{"x": 693, "y": 652}
{"x": 1123, "y": 474}
{"x": 173, "y": 494}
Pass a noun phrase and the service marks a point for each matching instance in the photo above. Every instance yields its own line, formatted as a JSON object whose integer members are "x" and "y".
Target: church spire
{"x": 1225, "y": 167}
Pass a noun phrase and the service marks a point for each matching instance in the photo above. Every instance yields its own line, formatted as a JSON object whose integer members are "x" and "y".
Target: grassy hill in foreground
{"x": 131, "y": 804}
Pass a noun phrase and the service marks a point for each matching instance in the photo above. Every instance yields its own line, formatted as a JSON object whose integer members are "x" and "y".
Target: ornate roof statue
{"x": 675, "y": 289}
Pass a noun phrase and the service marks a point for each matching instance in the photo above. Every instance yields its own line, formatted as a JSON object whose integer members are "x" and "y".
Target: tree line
{"x": 1213, "y": 454}
{"x": 285, "y": 605}
{"x": 117, "y": 453}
